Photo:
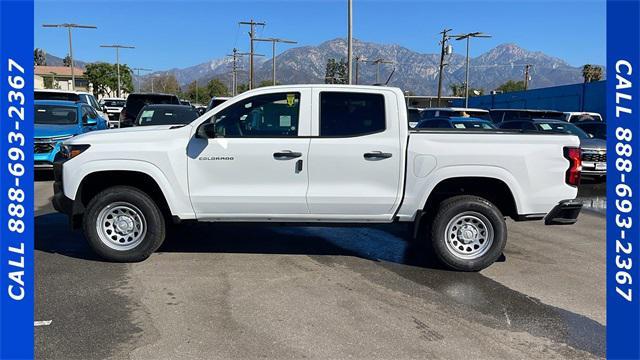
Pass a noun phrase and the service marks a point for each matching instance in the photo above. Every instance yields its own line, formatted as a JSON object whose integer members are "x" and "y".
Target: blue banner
{"x": 623, "y": 183}
{"x": 16, "y": 179}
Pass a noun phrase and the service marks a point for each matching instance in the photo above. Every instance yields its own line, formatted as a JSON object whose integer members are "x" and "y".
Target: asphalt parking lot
{"x": 227, "y": 291}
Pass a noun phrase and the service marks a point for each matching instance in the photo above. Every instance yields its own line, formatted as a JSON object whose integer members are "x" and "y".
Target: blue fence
{"x": 577, "y": 97}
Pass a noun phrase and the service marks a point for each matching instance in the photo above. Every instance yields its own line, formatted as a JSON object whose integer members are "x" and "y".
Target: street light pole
{"x": 138, "y": 71}
{"x": 69, "y": 27}
{"x": 273, "y": 53}
{"x": 118, "y": 47}
{"x": 468, "y": 37}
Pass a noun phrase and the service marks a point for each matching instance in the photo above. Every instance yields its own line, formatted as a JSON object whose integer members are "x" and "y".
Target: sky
{"x": 177, "y": 34}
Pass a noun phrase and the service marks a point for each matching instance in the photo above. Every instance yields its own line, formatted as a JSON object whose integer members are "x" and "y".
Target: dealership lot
{"x": 232, "y": 291}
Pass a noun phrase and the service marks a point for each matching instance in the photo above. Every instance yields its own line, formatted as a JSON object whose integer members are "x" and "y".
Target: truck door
{"x": 255, "y": 166}
{"x": 354, "y": 156}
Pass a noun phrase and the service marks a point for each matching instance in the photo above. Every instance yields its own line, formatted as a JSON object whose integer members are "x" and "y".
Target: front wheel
{"x": 123, "y": 224}
{"x": 468, "y": 233}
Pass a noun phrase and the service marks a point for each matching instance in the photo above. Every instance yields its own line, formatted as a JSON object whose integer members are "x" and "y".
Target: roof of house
{"x": 58, "y": 70}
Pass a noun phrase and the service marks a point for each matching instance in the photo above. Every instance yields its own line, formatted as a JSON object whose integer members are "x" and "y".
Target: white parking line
{"x": 42, "y": 323}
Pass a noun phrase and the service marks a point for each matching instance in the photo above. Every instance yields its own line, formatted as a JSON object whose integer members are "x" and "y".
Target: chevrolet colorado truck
{"x": 316, "y": 154}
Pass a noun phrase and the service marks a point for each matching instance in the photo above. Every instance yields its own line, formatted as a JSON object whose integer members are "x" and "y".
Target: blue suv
{"x": 56, "y": 121}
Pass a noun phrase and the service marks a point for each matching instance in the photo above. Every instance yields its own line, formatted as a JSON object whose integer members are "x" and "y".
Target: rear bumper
{"x": 565, "y": 213}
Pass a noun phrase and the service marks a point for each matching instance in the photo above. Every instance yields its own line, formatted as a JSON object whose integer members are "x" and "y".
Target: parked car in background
{"x": 462, "y": 123}
{"x": 56, "y": 121}
{"x": 501, "y": 115}
{"x": 201, "y": 109}
{"x": 68, "y": 95}
{"x": 185, "y": 102}
{"x": 597, "y": 129}
{"x": 136, "y": 101}
{"x": 430, "y": 113}
{"x": 215, "y": 101}
{"x": 166, "y": 114}
{"x": 594, "y": 151}
{"x": 582, "y": 116}
{"x": 112, "y": 106}
{"x": 414, "y": 115}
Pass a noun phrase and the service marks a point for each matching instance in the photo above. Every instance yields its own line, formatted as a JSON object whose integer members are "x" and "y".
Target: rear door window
{"x": 345, "y": 114}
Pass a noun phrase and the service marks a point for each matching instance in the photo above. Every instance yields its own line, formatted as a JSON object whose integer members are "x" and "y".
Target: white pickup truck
{"x": 316, "y": 154}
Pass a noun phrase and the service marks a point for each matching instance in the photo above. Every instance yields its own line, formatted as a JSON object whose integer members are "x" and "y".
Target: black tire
{"x": 471, "y": 206}
{"x": 152, "y": 218}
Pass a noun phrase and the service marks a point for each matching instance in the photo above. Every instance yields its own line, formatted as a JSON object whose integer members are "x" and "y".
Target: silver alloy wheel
{"x": 121, "y": 226}
{"x": 469, "y": 235}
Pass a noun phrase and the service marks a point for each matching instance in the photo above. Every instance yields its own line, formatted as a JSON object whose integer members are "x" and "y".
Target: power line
{"x": 138, "y": 69}
{"x": 252, "y": 33}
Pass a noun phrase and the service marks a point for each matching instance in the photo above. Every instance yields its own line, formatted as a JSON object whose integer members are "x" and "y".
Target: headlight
{"x": 69, "y": 151}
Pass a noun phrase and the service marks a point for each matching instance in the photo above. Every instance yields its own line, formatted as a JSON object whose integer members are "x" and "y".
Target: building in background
{"x": 581, "y": 97}
{"x": 59, "y": 77}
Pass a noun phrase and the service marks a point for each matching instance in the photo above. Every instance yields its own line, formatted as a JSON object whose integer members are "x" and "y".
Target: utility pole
{"x": 443, "y": 52}
{"x": 118, "y": 47}
{"x": 526, "y": 76}
{"x": 359, "y": 59}
{"x": 377, "y": 63}
{"x": 466, "y": 83}
{"x": 138, "y": 74}
{"x": 69, "y": 27}
{"x": 349, "y": 40}
{"x": 252, "y": 33}
{"x": 273, "y": 53}
{"x": 235, "y": 56}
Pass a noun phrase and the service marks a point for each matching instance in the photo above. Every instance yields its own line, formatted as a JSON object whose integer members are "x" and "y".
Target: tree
{"x": 166, "y": 83}
{"x": 592, "y": 73}
{"x": 215, "y": 87}
{"x": 511, "y": 86}
{"x": 336, "y": 72}
{"x": 458, "y": 90}
{"x": 264, "y": 83}
{"x": 39, "y": 57}
{"x": 104, "y": 78}
{"x": 67, "y": 61}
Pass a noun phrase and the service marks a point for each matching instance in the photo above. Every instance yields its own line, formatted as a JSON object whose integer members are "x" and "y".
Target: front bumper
{"x": 60, "y": 201}
{"x": 565, "y": 213}
{"x": 44, "y": 160}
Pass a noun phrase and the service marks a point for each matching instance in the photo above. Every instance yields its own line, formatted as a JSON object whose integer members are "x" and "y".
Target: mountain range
{"x": 412, "y": 71}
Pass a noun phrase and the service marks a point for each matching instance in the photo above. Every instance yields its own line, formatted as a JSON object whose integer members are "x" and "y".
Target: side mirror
{"x": 206, "y": 131}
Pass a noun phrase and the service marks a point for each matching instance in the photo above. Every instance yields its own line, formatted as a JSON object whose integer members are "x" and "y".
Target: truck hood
{"x": 53, "y": 130}
{"x": 593, "y": 144}
{"x": 123, "y": 135}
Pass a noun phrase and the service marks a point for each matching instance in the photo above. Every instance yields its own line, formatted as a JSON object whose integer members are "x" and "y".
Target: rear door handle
{"x": 376, "y": 155}
{"x": 286, "y": 155}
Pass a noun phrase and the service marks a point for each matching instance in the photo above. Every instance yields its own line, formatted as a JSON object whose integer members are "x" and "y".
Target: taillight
{"x": 574, "y": 155}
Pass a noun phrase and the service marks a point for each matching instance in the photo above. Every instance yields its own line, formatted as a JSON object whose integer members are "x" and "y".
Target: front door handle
{"x": 376, "y": 155}
{"x": 286, "y": 155}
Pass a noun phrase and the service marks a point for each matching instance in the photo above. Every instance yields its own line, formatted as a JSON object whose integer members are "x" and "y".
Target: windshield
{"x": 114, "y": 103}
{"x": 472, "y": 125}
{"x": 54, "y": 95}
{"x": 168, "y": 116}
{"x": 565, "y": 128}
{"x": 55, "y": 114}
{"x": 585, "y": 117}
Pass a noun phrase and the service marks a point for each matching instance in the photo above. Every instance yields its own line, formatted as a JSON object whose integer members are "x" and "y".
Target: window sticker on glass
{"x": 147, "y": 114}
{"x": 545, "y": 126}
{"x": 285, "y": 120}
{"x": 459, "y": 126}
{"x": 291, "y": 99}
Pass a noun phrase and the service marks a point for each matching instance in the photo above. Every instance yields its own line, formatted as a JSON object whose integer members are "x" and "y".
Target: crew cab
{"x": 316, "y": 154}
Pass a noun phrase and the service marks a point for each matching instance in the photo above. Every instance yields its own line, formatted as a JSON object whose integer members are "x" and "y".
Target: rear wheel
{"x": 123, "y": 224}
{"x": 468, "y": 233}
